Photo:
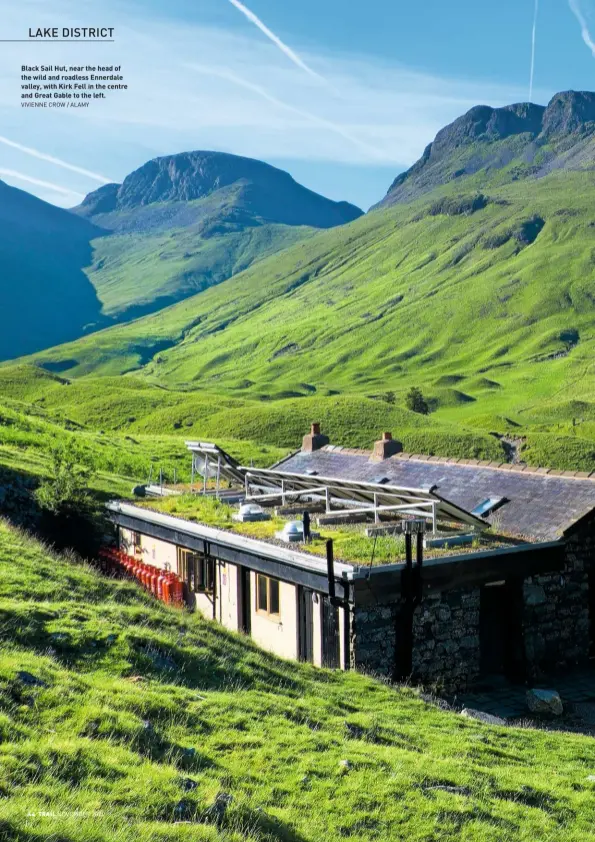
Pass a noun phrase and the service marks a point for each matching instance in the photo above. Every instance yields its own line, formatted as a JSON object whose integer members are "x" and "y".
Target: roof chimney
{"x": 314, "y": 440}
{"x": 386, "y": 447}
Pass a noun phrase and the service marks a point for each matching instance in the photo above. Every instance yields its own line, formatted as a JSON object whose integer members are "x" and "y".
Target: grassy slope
{"x": 389, "y": 300}
{"x": 147, "y": 270}
{"x": 139, "y": 700}
{"x": 399, "y": 297}
{"x": 29, "y": 432}
{"x": 249, "y": 429}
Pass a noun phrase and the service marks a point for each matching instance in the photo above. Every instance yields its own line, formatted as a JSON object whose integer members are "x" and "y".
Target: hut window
{"x": 196, "y": 570}
{"x": 267, "y": 596}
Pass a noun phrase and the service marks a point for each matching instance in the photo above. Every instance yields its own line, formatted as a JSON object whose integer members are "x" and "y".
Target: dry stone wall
{"x": 446, "y": 646}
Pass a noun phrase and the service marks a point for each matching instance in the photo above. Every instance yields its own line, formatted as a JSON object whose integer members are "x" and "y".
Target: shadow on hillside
{"x": 45, "y": 297}
{"x": 209, "y": 659}
{"x": 17, "y": 498}
{"x": 80, "y": 531}
{"x": 215, "y": 661}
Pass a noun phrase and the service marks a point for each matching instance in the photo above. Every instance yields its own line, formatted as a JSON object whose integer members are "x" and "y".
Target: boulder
{"x": 545, "y": 701}
{"x": 482, "y": 716}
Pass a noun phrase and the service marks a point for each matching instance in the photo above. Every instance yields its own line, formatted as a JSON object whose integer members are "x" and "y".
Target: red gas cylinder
{"x": 149, "y": 576}
{"x": 167, "y": 588}
{"x": 160, "y": 582}
{"x": 153, "y": 581}
{"x": 144, "y": 576}
{"x": 177, "y": 591}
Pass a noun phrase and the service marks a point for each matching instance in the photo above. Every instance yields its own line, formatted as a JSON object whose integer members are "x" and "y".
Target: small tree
{"x": 69, "y": 515}
{"x": 65, "y": 492}
{"x": 389, "y": 397}
{"x": 415, "y": 401}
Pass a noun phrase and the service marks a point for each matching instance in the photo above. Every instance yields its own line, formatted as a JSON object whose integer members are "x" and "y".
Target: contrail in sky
{"x": 533, "y": 41}
{"x": 22, "y": 177}
{"x": 35, "y": 153}
{"x": 250, "y": 86}
{"x": 576, "y": 10}
{"x": 275, "y": 39}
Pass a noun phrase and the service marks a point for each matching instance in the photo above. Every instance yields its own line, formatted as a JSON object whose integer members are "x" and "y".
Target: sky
{"x": 343, "y": 95}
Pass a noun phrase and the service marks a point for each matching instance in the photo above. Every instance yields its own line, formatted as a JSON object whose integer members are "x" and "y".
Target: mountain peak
{"x": 260, "y": 189}
{"x": 568, "y": 112}
{"x": 487, "y": 138}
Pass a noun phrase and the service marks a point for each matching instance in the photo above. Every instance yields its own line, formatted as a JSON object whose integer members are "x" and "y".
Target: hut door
{"x": 500, "y": 630}
{"x": 244, "y": 605}
{"x": 305, "y": 625}
{"x": 329, "y": 622}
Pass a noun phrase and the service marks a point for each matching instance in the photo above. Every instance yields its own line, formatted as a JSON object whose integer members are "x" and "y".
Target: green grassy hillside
{"x": 135, "y": 274}
{"x": 490, "y": 326}
{"x": 118, "y": 460}
{"x": 122, "y": 719}
{"x": 473, "y": 281}
{"x": 175, "y": 227}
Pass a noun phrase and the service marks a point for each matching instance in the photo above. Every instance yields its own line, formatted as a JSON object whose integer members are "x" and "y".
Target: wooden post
{"x": 330, "y": 569}
{"x": 218, "y": 473}
{"x": 192, "y": 474}
{"x": 204, "y": 485}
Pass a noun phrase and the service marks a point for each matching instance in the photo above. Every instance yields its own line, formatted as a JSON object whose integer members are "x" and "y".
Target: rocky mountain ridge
{"x": 527, "y": 140}
{"x": 233, "y": 186}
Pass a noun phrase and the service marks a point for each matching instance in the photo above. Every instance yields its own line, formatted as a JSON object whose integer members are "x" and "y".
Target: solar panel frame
{"x": 354, "y": 491}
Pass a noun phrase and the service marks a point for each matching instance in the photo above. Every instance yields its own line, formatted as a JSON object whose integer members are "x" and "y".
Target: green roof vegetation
{"x": 350, "y": 543}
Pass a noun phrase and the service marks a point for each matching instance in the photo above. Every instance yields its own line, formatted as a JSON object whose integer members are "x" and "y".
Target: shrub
{"x": 415, "y": 401}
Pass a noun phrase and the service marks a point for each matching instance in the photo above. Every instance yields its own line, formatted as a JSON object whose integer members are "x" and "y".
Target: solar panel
{"x": 212, "y": 462}
{"x": 353, "y": 495}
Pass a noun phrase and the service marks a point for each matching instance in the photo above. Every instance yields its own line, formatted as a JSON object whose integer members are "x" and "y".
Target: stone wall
{"x": 446, "y": 648}
{"x": 373, "y": 635}
{"x": 445, "y": 639}
{"x": 556, "y": 624}
{"x": 551, "y": 626}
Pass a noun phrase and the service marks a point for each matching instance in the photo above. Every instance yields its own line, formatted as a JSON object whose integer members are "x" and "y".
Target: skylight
{"x": 488, "y": 506}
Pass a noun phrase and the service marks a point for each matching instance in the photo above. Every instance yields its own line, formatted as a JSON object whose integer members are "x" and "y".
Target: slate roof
{"x": 540, "y": 505}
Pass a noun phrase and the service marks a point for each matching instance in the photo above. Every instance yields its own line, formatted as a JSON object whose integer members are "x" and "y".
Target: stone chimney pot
{"x": 314, "y": 440}
{"x": 386, "y": 447}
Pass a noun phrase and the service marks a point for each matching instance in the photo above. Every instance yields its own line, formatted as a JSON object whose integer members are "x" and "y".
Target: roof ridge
{"x": 496, "y": 466}
{"x": 473, "y": 463}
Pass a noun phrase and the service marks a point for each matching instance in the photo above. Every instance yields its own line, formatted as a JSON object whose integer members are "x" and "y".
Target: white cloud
{"x": 291, "y": 55}
{"x": 35, "y": 153}
{"x": 585, "y": 34}
{"x": 47, "y": 185}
